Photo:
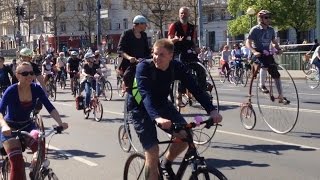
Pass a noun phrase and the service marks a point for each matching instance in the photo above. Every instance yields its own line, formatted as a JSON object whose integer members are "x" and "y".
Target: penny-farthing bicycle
{"x": 280, "y": 117}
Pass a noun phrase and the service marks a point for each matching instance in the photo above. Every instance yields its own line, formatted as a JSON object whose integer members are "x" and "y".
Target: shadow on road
{"x": 106, "y": 120}
{"x": 275, "y": 149}
{"x": 232, "y": 164}
{"x": 305, "y": 134}
{"x": 311, "y": 102}
{"x": 66, "y": 154}
{"x": 49, "y": 116}
{"x": 227, "y": 107}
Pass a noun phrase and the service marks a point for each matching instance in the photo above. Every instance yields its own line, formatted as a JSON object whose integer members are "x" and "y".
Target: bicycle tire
{"x": 231, "y": 77}
{"x": 119, "y": 87}
{"x": 5, "y": 169}
{"x": 208, "y": 173}
{"x": 107, "y": 90}
{"x": 123, "y": 139}
{"x": 247, "y": 75}
{"x": 86, "y": 114}
{"x": 203, "y": 135}
{"x": 312, "y": 79}
{"x": 98, "y": 108}
{"x": 246, "y": 114}
{"x": 137, "y": 161}
{"x": 279, "y": 117}
{"x": 306, "y": 66}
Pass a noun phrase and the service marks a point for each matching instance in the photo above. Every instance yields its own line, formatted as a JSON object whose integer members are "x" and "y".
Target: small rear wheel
{"x": 107, "y": 91}
{"x": 123, "y": 138}
{"x": 98, "y": 111}
{"x": 248, "y": 117}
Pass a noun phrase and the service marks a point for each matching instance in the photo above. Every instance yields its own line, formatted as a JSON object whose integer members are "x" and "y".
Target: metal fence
{"x": 291, "y": 60}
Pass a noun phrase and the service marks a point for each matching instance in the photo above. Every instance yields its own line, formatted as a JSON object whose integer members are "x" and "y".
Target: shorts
{"x": 264, "y": 61}
{"x": 72, "y": 74}
{"x": 146, "y": 128}
{"x": 29, "y": 127}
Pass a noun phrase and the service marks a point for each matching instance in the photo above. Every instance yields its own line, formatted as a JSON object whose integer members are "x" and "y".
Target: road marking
{"x": 80, "y": 159}
{"x": 112, "y": 112}
{"x": 308, "y": 94}
{"x": 268, "y": 140}
{"x": 64, "y": 104}
{"x": 229, "y": 89}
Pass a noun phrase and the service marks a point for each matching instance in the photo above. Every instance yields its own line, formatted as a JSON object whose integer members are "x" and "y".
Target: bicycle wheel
{"x": 124, "y": 139}
{"x": 119, "y": 87}
{"x": 208, "y": 174}
{"x": 86, "y": 114}
{"x": 48, "y": 174}
{"x": 134, "y": 167}
{"x": 98, "y": 111}
{"x": 246, "y": 76}
{"x": 222, "y": 77}
{"x": 107, "y": 91}
{"x": 231, "y": 76}
{"x": 5, "y": 169}
{"x": 248, "y": 117}
{"x": 280, "y": 117}
{"x": 203, "y": 134}
{"x": 312, "y": 78}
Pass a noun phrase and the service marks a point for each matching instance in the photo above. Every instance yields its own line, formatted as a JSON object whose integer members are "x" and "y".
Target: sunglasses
{"x": 266, "y": 17}
{"x": 26, "y": 73}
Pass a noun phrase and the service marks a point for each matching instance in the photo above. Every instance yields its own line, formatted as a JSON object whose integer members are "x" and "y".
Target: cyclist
{"x": 4, "y": 75}
{"x": 89, "y": 70}
{"x": 73, "y": 67}
{"x": 61, "y": 65}
{"x": 236, "y": 55}
{"x": 13, "y": 67}
{"x": 315, "y": 59}
{"x": 16, "y": 106}
{"x": 183, "y": 35}
{"x": 133, "y": 44}
{"x": 224, "y": 61}
{"x": 150, "y": 105}
{"x": 259, "y": 42}
{"x": 47, "y": 68}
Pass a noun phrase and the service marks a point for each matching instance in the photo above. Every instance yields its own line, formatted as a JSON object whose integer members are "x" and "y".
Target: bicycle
{"x": 119, "y": 85}
{"x": 40, "y": 170}
{"x": 312, "y": 78}
{"x": 135, "y": 163}
{"x": 51, "y": 87}
{"x": 104, "y": 84}
{"x": 236, "y": 72}
{"x": 63, "y": 79}
{"x": 203, "y": 135}
{"x": 94, "y": 105}
{"x": 306, "y": 65}
{"x": 280, "y": 117}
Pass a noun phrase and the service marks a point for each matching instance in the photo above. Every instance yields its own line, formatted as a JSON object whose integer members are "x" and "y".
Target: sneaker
{"x": 264, "y": 89}
{"x": 284, "y": 101}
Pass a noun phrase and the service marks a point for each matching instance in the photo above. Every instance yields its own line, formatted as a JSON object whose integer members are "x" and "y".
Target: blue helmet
{"x": 139, "y": 19}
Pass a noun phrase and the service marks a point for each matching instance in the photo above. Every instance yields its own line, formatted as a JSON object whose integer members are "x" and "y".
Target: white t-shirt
{"x": 62, "y": 61}
{"x": 315, "y": 54}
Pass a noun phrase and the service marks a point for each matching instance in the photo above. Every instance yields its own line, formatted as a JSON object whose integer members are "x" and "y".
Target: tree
{"x": 299, "y": 15}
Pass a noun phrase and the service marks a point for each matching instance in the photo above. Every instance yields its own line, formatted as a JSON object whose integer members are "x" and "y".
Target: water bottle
{"x": 198, "y": 120}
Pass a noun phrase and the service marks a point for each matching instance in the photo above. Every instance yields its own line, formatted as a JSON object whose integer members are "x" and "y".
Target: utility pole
{"x": 55, "y": 27}
{"x": 200, "y": 30}
{"x": 18, "y": 35}
{"x": 318, "y": 19}
{"x": 99, "y": 25}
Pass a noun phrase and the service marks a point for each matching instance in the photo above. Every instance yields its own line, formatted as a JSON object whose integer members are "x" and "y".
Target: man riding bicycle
{"x": 73, "y": 66}
{"x": 61, "y": 65}
{"x": 148, "y": 104}
{"x": 259, "y": 42}
{"x": 5, "y": 70}
{"x": 183, "y": 35}
{"x": 47, "y": 68}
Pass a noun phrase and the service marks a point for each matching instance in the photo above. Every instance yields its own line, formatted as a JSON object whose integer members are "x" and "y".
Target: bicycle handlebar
{"x": 176, "y": 127}
{"x": 54, "y": 129}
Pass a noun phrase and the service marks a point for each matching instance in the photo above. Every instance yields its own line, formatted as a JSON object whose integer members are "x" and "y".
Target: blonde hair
{"x": 164, "y": 43}
{"x": 24, "y": 63}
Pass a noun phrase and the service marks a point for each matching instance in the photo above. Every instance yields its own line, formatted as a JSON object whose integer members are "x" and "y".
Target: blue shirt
{"x": 154, "y": 87}
{"x": 261, "y": 37}
{"x": 16, "y": 112}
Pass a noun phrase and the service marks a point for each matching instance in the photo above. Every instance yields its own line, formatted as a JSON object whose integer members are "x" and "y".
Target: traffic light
{"x": 22, "y": 11}
{"x": 18, "y": 10}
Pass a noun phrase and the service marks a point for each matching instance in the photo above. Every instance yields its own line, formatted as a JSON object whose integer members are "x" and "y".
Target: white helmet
{"x": 88, "y": 55}
{"x": 26, "y": 52}
{"x": 74, "y": 53}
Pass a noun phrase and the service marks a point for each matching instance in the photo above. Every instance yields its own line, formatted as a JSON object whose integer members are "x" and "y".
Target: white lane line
{"x": 308, "y": 94}
{"x": 228, "y": 89}
{"x": 112, "y": 112}
{"x": 64, "y": 104}
{"x": 268, "y": 140}
{"x": 80, "y": 159}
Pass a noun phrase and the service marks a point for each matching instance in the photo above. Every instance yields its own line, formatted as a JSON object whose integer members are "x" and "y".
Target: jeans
{"x": 88, "y": 85}
{"x": 316, "y": 62}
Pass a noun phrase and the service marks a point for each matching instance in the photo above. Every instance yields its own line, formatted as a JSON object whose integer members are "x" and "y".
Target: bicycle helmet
{"x": 88, "y": 55}
{"x": 49, "y": 56}
{"x": 139, "y": 19}
{"x": 26, "y": 52}
{"x": 74, "y": 53}
{"x": 263, "y": 13}
{"x": 97, "y": 52}
{"x": 61, "y": 54}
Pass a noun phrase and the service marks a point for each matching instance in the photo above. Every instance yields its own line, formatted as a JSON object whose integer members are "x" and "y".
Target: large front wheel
{"x": 98, "y": 111}
{"x": 123, "y": 138}
{"x": 281, "y": 117}
{"x": 107, "y": 91}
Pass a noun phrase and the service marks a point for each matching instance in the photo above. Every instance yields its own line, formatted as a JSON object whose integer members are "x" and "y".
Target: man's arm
{"x": 41, "y": 81}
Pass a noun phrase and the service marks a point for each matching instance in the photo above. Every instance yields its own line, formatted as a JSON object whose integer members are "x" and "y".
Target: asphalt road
{"x": 90, "y": 149}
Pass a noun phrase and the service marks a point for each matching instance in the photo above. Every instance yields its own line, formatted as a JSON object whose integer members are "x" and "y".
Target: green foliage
{"x": 298, "y": 14}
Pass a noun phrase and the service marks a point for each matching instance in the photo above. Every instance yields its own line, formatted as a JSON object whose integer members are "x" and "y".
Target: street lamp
{"x": 251, "y": 12}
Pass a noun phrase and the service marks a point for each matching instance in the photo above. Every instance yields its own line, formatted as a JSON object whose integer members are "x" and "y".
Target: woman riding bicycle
{"x": 16, "y": 106}
{"x": 47, "y": 68}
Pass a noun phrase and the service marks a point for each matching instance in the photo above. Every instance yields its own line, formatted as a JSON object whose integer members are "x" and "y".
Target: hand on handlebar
{"x": 163, "y": 123}
{"x": 217, "y": 118}
{"x": 64, "y": 125}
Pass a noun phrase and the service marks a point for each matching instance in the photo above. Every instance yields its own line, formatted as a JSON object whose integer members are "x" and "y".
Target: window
{"x": 125, "y": 23}
{"x": 223, "y": 14}
{"x": 118, "y": 26}
{"x": 80, "y": 6}
{"x": 81, "y": 26}
{"x": 63, "y": 26}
